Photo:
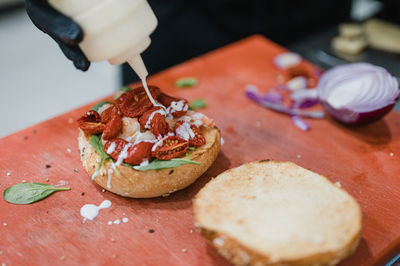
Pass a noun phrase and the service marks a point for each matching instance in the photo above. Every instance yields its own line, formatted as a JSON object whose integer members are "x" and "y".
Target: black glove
{"x": 62, "y": 29}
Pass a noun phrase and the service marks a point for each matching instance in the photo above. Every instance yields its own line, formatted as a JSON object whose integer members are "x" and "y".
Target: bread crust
{"x": 152, "y": 183}
{"x": 239, "y": 254}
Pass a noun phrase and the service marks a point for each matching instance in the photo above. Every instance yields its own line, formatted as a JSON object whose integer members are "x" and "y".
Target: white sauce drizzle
{"x": 159, "y": 111}
{"x": 184, "y": 131}
{"x": 112, "y": 147}
{"x": 145, "y": 162}
{"x": 121, "y": 157}
{"x": 95, "y": 174}
{"x": 90, "y": 211}
{"x": 177, "y": 107}
{"x": 159, "y": 143}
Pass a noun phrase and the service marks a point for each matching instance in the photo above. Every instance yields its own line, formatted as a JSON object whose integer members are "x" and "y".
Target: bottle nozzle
{"x": 138, "y": 66}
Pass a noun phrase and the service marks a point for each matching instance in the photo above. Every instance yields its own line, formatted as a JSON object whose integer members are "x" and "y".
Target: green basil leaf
{"x": 124, "y": 89}
{"x": 191, "y": 148}
{"x": 186, "y": 82}
{"x": 197, "y": 104}
{"x": 158, "y": 164}
{"x": 97, "y": 106}
{"x": 95, "y": 141}
{"x": 26, "y": 193}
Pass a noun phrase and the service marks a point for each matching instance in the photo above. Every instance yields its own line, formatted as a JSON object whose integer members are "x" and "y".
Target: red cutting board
{"x": 51, "y": 231}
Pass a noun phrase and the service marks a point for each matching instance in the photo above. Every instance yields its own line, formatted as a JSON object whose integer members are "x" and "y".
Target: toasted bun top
{"x": 280, "y": 211}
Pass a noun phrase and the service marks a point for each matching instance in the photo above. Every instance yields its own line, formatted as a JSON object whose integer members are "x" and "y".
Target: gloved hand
{"x": 62, "y": 29}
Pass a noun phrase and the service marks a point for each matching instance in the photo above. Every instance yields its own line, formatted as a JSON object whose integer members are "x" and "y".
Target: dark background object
{"x": 189, "y": 28}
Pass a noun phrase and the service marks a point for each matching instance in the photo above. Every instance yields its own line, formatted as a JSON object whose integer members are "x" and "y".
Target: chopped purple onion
{"x": 253, "y": 94}
{"x": 300, "y": 123}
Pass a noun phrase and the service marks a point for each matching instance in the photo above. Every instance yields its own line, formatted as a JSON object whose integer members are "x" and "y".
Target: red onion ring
{"x": 358, "y": 93}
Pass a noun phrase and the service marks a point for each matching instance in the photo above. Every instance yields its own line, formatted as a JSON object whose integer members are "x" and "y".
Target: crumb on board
{"x": 47, "y": 179}
{"x": 338, "y": 184}
{"x": 76, "y": 170}
{"x": 103, "y": 190}
{"x": 70, "y": 120}
{"x": 8, "y": 173}
{"x": 113, "y": 256}
{"x": 48, "y": 166}
{"x": 24, "y": 181}
{"x": 184, "y": 250}
{"x": 62, "y": 257}
{"x": 298, "y": 156}
{"x": 83, "y": 194}
{"x": 69, "y": 150}
{"x": 191, "y": 231}
{"x": 113, "y": 240}
{"x": 391, "y": 154}
{"x": 151, "y": 231}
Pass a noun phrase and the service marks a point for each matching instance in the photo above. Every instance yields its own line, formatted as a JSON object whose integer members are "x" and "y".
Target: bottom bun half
{"x": 153, "y": 183}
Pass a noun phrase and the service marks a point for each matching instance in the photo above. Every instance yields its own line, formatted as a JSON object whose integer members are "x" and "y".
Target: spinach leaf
{"x": 124, "y": 89}
{"x": 187, "y": 82}
{"x": 97, "y": 106}
{"x": 158, "y": 164}
{"x": 26, "y": 193}
{"x": 197, "y": 104}
{"x": 95, "y": 141}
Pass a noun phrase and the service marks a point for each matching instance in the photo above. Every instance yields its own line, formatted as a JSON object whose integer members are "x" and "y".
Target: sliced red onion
{"x": 253, "y": 94}
{"x": 358, "y": 93}
{"x": 297, "y": 83}
{"x": 300, "y": 123}
{"x": 304, "y": 98}
{"x": 287, "y": 60}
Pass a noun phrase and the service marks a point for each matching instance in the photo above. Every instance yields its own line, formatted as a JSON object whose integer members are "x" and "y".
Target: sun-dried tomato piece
{"x": 170, "y": 147}
{"x": 154, "y": 120}
{"x": 114, "y": 126}
{"x": 179, "y": 106}
{"x": 90, "y": 123}
{"x": 116, "y": 149}
{"x": 106, "y": 115}
{"x": 199, "y": 139}
{"x": 191, "y": 133}
{"x": 139, "y": 152}
{"x": 135, "y": 103}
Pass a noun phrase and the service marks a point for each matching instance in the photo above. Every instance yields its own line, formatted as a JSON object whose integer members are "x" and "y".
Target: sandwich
{"x": 138, "y": 149}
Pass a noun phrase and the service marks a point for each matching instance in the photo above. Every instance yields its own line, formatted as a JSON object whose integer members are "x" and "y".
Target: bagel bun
{"x": 152, "y": 183}
{"x": 278, "y": 213}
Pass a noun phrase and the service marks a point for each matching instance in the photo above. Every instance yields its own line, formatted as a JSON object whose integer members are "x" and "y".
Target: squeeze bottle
{"x": 114, "y": 30}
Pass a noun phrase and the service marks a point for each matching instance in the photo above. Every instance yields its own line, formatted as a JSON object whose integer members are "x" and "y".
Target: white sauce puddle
{"x": 90, "y": 211}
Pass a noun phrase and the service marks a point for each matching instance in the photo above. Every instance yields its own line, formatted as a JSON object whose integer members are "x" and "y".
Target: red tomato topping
{"x": 135, "y": 103}
{"x": 195, "y": 141}
{"x": 119, "y": 146}
{"x": 90, "y": 123}
{"x": 158, "y": 125}
{"x": 114, "y": 126}
{"x": 139, "y": 152}
{"x": 166, "y": 100}
{"x": 171, "y": 147}
{"x": 136, "y": 153}
{"x": 106, "y": 115}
